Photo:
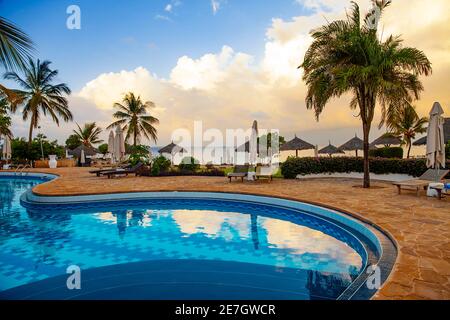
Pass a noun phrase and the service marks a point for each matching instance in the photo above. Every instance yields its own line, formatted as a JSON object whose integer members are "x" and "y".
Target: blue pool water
{"x": 180, "y": 248}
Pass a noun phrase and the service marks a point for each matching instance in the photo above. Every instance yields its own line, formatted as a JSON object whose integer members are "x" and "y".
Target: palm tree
{"x": 15, "y": 49}
{"x": 133, "y": 118}
{"x": 16, "y": 46}
{"x": 405, "y": 122}
{"x": 346, "y": 56}
{"x": 5, "y": 120}
{"x": 40, "y": 96}
{"x": 89, "y": 134}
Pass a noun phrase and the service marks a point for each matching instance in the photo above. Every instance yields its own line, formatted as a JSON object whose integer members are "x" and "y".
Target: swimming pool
{"x": 176, "y": 246}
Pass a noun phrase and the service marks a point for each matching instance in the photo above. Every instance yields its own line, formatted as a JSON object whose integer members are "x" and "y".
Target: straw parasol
{"x": 172, "y": 149}
{"x": 88, "y": 151}
{"x": 423, "y": 141}
{"x": 354, "y": 144}
{"x": 435, "y": 139}
{"x": 296, "y": 144}
{"x": 330, "y": 150}
{"x": 387, "y": 140}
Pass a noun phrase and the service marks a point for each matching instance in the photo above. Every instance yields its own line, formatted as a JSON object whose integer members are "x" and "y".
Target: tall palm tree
{"x": 15, "y": 46}
{"x": 133, "y": 118}
{"x": 347, "y": 56}
{"x": 404, "y": 122}
{"x": 89, "y": 134}
{"x": 40, "y": 95}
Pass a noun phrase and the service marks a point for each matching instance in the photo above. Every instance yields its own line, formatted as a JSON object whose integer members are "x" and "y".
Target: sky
{"x": 224, "y": 62}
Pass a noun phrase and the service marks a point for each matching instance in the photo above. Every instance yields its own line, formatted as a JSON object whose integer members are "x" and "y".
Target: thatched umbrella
{"x": 172, "y": 149}
{"x": 354, "y": 144}
{"x": 387, "y": 140}
{"x": 296, "y": 144}
{"x": 88, "y": 151}
{"x": 423, "y": 141}
{"x": 330, "y": 150}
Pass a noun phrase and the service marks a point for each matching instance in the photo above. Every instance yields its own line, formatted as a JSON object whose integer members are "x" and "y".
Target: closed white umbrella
{"x": 6, "y": 150}
{"x": 119, "y": 145}
{"x": 435, "y": 139}
{"x": 111, "y": 145}
{"x": 253, "y": 148}
{"x": 82, "y": 157}
{"x": 67, "y": 153}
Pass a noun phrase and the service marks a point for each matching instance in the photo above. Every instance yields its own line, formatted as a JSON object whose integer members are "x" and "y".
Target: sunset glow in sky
{"x": 225, "y": 62}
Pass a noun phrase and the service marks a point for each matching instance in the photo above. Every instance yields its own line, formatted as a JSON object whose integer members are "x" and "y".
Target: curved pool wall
{"x": 382, "y": 249}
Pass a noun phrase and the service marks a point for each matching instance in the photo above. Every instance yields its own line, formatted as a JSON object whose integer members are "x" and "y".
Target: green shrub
{"x": 387, "y": 152}
{"x": 302, "y": 166}
{"x": 189, "y": 164}
{"x": 138, "y": 154}
{"x": 20, "y": 150}
{"x": 159, "y": 165}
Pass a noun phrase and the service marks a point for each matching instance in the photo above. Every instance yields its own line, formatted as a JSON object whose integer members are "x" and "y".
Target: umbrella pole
{"x": 296, "y": 153}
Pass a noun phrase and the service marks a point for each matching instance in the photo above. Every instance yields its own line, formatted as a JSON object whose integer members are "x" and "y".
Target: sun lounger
{"x": 119, "y": 172}
{"x": 422, "y": 182}
{"x": 99, "y": 172}
{"x": 264, "y": 172}
{"x": 239, "y": 171}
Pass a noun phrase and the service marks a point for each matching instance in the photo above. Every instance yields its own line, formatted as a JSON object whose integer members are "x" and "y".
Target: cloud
{"x": 168, "y": 8}
{"x": 228, "y": 89}
{"x": 162, "y": 17}
{"x": 216, "y": 5}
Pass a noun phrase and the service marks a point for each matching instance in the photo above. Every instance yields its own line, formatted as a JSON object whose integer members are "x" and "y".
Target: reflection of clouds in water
{"x": 145, "y": 217}
{"x": 302, "y": 240}
{"x": 226, "y": 225}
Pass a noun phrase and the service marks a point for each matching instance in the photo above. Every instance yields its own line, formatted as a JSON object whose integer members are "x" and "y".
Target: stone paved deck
{"x": 420, "y": 225}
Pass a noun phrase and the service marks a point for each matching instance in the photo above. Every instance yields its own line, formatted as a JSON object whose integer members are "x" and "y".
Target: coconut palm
{"x": 15, "y": 46}
{"x": 15, "y": 49}
{"x": 40, "y": 96}
{"x": 346, "y": 56}
{"x": 404, "y": 122}
{"x": 89, "y": 134}
{"x": 133, "y": 118}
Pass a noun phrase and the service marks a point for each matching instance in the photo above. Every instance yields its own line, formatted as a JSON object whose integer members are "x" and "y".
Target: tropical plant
{"x": 40, "y": 96}
{"x": 404, "y": 122}
{"x": 72, "y": 142}
{"x": 103, "y": 148}
{"x": 21, "y": 149}
{"x": 189, "y": 164}
{"x": 138, "y": 154}
{"x": 89, "y": 134}
{"x": 5, "y": 120}
{"x": 160, "y": 164}
{"x": 15, "y": 45}
{"x": 133, "y": 118}
{"x": 346, "y": 56}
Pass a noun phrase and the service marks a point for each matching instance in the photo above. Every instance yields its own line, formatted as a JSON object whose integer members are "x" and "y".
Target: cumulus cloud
{"x": 228, "y": 89}
{"x": 168, "y": 7}
{"x": 216, "y": 5}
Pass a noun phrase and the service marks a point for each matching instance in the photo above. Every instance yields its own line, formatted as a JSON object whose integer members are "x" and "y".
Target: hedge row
{"x": 302, "y": 166}
{"x": 387, "y": 152}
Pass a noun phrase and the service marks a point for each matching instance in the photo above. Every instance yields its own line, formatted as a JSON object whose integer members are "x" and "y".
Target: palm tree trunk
{"x": 30, "y": 133}
{"x": 135, "y": 138}
{"x": 366, "y": 131}
{"x": 409, "y": 150}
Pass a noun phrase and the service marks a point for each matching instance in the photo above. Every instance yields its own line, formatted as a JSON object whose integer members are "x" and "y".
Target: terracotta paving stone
{"x": 420, "y": 225}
